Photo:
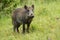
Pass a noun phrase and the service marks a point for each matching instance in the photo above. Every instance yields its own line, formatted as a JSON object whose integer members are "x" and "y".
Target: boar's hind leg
{"x": 23, "y": 28}
{"x": 16, "y": 26}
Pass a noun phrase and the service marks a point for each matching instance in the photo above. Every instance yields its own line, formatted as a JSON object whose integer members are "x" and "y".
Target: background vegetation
{"x": 45, "y": 25}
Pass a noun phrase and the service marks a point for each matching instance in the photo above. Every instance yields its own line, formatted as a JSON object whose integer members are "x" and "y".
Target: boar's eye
{"x": 28, "y": 11}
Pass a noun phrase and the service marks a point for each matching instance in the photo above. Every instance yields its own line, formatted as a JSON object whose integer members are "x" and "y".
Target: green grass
{"x": 45, "y": 25}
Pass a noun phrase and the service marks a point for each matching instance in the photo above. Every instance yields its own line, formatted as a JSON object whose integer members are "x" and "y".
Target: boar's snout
{"x": 31, "y": 16}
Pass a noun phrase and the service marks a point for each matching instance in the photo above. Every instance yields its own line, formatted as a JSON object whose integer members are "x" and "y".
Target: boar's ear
{"x": 33, "y": 6}
{"x": 25, "y": 7}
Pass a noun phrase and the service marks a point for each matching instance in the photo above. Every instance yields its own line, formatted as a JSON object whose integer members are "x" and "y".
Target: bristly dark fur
{"x": 22, "y": 16}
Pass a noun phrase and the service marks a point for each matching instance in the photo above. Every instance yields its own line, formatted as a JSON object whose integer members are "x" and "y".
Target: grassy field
{"x": 45, "y": 25}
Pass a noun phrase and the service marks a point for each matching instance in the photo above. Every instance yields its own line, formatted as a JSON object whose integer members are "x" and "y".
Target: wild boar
{"x": 22, "y": 16}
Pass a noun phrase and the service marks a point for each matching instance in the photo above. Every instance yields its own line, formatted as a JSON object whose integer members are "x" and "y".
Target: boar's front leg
{"x": 28, "y": 25}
